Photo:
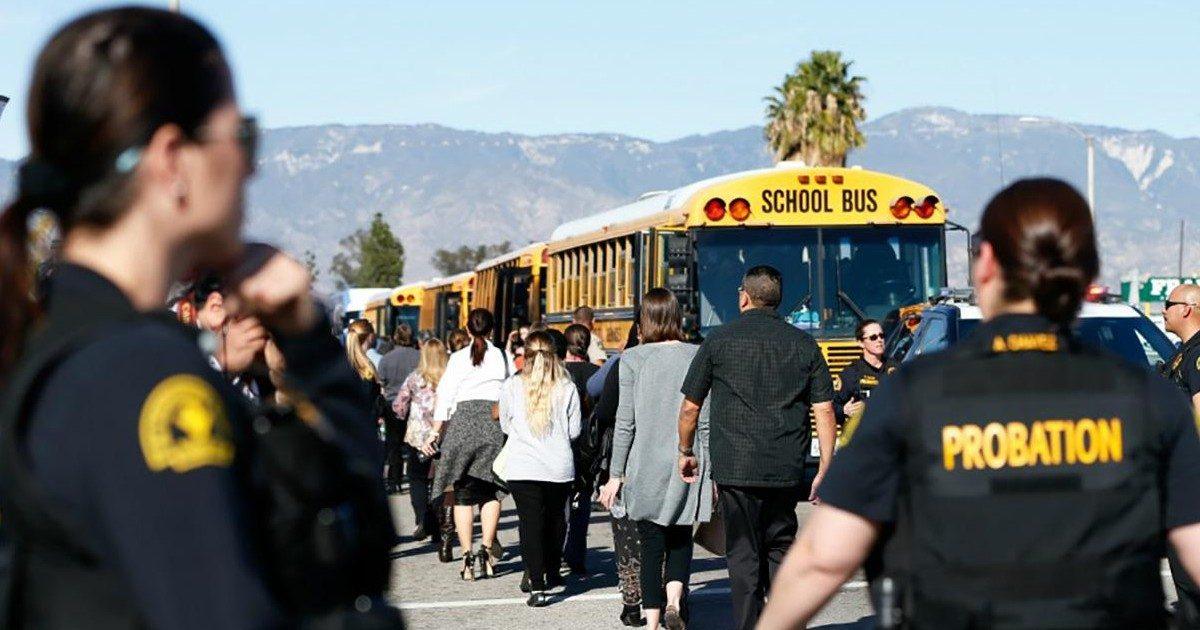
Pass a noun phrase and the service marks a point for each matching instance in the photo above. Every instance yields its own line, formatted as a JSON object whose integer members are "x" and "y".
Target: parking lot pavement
{"x": 432, "y": 595}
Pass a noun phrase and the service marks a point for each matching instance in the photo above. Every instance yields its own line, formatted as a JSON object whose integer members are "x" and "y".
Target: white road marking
{"x": 558, "y": 599}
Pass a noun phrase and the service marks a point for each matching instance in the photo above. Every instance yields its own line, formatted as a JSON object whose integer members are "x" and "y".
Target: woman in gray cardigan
{"x": 644, "y": 458}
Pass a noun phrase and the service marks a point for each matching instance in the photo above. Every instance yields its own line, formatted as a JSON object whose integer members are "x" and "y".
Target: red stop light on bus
{"x": 715, "y": 209}
{"x": 926, "y": 207}
{"x": 739, "y": 209}
{"x": 902, "y": 207}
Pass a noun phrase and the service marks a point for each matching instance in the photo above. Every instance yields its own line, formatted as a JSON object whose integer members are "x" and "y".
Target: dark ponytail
{"x": 1043, "y": 237}
{"x": 18, "y": 309}
{"x": 101, "y": 87}
{"x": 479, "y": 324}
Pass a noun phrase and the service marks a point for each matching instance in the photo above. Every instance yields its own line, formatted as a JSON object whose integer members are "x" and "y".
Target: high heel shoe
{"x": 468, "y": 569}
{"x": 487, "y": 565}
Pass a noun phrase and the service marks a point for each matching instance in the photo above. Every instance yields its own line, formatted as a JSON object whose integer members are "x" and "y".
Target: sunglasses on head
{"x": 875, "y": 337}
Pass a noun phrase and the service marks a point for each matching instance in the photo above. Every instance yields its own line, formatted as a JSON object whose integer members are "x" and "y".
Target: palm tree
{"x": 814, "y": 115}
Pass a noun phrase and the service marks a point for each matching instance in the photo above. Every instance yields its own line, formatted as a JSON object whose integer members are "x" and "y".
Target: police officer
{"x": 138, "y": 488}
{"x": 853, "y": 386}
{"x": 1030, "y": 480}
{"x": 1181, "y": 314}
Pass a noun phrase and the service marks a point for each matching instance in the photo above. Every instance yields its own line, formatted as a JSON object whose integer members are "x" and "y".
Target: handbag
{"x": 711, "y": 535}
{"x": 500, "y": 464}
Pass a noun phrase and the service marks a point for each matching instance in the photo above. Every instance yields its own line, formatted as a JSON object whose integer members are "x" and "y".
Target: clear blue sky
{"x": 662, "y": 70}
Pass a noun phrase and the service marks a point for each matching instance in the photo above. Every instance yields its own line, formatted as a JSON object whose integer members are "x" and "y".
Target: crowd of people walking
{"x": 648, "y": 433}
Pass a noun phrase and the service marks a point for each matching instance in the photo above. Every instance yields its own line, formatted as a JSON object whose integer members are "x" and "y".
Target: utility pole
{"x": 1182, "y": 224}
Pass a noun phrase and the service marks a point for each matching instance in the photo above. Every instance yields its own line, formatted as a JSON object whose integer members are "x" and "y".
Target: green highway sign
{"x": 1155, "y": 288}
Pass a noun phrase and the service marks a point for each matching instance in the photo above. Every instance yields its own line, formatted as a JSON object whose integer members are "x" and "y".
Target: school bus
{"x": 376, "y": 311}
{"x": 446, "y": 302}
{"x": 405, "y": 305}
{"x": 850, "y": 244}
{"x": 510, "y": 286}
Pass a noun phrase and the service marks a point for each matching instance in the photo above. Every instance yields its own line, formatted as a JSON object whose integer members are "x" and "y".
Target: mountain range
{"x": 443, "y": 187}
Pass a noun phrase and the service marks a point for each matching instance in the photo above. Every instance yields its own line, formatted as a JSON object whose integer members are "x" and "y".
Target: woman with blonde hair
{"x": 360, "y": 336}
{"x": 414, "y": 404}
{"x": 539, "y": 411}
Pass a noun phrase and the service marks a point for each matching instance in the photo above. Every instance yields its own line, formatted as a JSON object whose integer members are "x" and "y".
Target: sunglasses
{"x": 246, "y": 136}
{"x": 1168, "y": 304}
{"x": 875, "y": 337}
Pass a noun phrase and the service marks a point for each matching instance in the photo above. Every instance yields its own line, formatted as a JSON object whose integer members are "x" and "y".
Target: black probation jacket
{"x": 1030, "y": 481}
{"x": 127, "y": 469}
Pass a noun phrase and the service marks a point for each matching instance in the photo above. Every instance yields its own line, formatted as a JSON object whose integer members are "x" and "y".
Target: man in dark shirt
{"x": 399, "y": 362}
{"x": 763, "y": 374}
{"x": 1181, "y": 314}
{"x": 394, "y": 368}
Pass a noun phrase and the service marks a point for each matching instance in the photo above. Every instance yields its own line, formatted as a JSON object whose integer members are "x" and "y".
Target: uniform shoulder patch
{"x": 850, "y": 427}
{"x": 183, "y": 426}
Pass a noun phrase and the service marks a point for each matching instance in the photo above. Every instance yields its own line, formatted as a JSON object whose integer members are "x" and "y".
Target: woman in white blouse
{"x": 465, "y": 415}
{"x": 539, "y": 410}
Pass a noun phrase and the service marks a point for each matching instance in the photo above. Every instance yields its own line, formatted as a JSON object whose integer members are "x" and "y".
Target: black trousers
{"x": 760, "y": 526}
{"x": 541, "y": 517}
{"x": 666, "y": 557}
{"x": 628, "y": 557}
{"x": 396, "y": 454}
{"x": 418, "y": 489}
{"x": 579, "y": 516}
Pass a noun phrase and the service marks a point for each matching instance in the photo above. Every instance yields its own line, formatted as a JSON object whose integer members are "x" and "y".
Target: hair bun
{"x": 1058, "y": 292}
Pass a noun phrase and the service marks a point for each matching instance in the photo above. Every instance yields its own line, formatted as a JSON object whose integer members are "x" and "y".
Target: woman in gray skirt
{"x": 465, "y": 414}
{"x": 644, "y": 457}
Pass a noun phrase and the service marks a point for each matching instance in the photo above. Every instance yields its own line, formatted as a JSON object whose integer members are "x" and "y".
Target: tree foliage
{"x": 310, "y": 262}
{"x": 451, "y": 261}
{"x": 371, "y": 257}
{"x": 813, "y": 116}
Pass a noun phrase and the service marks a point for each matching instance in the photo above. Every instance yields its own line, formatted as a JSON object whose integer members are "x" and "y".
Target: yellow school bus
{"x": 376, "y": 312}
{"x": 445, "y": 303}
{"x": 510, "y": 286}
{"x": 850, "y": 243}
{"x": 405, "y": 305}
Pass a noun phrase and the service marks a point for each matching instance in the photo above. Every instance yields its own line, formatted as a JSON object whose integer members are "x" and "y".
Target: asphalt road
{"x": 432, "y": 595}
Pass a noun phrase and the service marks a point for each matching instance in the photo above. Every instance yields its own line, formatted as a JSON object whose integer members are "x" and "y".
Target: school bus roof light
{"x": 902, "y": 207}
{"x": 715, "y": 209}
{"x": 820, "y": 179}
{"x": 837, "y": 179}
{"x": 739, "y": 209}
{"x": 926, "y": 207}
{"x": 803, "y": 179}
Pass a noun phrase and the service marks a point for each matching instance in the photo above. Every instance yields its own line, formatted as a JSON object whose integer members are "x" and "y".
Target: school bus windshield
{"x": 832, "y": 277}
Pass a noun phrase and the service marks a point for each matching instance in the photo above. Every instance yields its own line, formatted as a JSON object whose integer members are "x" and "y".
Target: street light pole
{"x": 1091, "y": 173}
{"x": 1091, "y": 155}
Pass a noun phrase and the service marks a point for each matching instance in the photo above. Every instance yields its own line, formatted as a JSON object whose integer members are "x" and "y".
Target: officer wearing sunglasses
{"x": 1181, "y": 314}
{"x": 853, "y": 387}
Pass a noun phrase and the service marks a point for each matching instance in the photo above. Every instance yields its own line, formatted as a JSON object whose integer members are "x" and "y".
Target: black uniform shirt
{"x": 764, "y": 374}
{"x": 1184, "y": 367}
{"x": 870, "y": 465}
{"x": 146, "y": 447}
{"x": 857, "y": 381}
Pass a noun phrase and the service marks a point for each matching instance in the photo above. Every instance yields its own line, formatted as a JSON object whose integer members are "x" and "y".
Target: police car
{"x": 1102, "y": 322}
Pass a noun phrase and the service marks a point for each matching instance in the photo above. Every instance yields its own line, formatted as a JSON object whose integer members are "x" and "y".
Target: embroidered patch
{"x": 183, "y": 426}
{"x": 850, "y": 426}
